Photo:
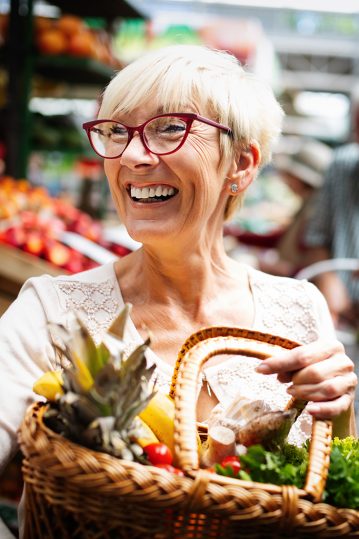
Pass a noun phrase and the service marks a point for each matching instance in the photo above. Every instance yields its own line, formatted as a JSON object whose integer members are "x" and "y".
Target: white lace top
{"x": 286, "y": 307}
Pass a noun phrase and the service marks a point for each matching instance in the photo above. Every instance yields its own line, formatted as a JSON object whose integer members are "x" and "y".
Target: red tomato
{"x": 158, "y": 453}
{"x": 170, "y": 468}
{"x": 233, "y": 463}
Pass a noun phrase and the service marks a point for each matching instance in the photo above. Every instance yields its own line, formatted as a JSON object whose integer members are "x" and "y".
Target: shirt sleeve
{"x": 325, "y": 325}
{"x": 25, "y": 354}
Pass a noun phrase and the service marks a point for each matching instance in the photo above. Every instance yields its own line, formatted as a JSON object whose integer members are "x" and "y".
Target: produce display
{"x": 68, "y": 35}
{"x": 33, "y": 221}
{"x": 107, "y": 402}
{"x": 71, "y": 35}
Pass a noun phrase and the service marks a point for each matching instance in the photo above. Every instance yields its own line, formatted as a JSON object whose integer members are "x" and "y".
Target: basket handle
{"x": 210, "y": 342}
{"x": 254, "y": 336}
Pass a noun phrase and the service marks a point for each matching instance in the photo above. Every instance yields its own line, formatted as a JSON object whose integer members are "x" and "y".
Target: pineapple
{"x": 101, "y": 392}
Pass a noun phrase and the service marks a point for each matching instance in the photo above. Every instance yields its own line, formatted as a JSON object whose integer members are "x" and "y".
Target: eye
{"x": 167, "y": 127}
{"x": 171, "y": 127}
{"x": 97, "y": 131}
{"x": 118, "y": 130}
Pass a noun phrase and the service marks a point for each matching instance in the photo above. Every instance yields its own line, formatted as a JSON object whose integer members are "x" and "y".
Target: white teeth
{"x": 151, "y": 192}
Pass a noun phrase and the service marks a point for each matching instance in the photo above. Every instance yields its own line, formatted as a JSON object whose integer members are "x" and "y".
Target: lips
{"x": 152, "y": 193}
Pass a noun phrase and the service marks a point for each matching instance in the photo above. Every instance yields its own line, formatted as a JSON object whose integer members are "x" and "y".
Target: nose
{"x": 135, "y": 154}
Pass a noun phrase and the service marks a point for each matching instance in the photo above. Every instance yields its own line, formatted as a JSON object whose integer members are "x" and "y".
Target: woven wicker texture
{"x": 73, "y": 492}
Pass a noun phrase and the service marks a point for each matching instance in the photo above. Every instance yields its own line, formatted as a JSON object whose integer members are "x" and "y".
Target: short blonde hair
{"x": 213, "y": 82}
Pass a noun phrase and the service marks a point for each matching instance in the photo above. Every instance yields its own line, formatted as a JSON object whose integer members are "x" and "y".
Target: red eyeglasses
{"x": 161, "y": 135}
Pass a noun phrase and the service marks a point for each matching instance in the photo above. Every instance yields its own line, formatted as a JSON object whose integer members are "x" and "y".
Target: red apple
{"x": 15, "y": 236}
{"x": 57, "y": 253}
{"x": 34, "y": 243}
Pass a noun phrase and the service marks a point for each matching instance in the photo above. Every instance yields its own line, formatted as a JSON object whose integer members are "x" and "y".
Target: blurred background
{"x": 56, "y": 58}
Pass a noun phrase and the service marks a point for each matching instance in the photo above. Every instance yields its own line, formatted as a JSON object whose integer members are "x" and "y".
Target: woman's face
{"x": 189, "y": 182}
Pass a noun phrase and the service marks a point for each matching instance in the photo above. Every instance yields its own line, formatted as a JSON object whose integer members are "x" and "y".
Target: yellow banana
{"x": 147, "y": 435}
{"x": 159, "y": 416}
{"x": 49, "y": 385}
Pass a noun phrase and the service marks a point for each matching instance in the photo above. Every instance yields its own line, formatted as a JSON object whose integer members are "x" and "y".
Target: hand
{"x": 320, "y": 372}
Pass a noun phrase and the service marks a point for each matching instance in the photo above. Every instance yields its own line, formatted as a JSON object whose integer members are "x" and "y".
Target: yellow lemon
{"x": 49, "y": 385}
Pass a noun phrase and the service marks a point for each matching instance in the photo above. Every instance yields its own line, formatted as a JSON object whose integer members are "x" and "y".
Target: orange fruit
{"x": 52, "y": 42}
{"x": 70, "y": 25}
{"x": 43, "y": 23}
{"x": 82, "y": 44}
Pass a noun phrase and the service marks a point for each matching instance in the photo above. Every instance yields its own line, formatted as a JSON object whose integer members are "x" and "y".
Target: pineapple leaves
{"x": 133, "y": 379}
{"x": 95, "y": 357}
{"x": 102, "y": 391}
{"x": 118, "y": 326}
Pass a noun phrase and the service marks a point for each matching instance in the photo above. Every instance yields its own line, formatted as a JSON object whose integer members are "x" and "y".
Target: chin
{"x": 148, "y": 233}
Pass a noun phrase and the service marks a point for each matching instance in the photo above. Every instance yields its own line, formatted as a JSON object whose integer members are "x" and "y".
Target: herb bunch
{"x": 289, "y": 465}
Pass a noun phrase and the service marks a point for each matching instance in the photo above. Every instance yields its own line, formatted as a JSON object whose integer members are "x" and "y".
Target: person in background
{"x": 183, "y": 132}
{"x": 332, "y": 229}
{"x": 300, "y": 162}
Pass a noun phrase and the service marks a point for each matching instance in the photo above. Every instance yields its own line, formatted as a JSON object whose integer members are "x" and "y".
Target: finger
{"x": 285, "y": 377}
{"x": 300, "y": 357}
{"x": 328, "y": 368}
{"x": 326, "y": 390}
{"x": 336, "y": 365}
{"x": 330, "y": 409}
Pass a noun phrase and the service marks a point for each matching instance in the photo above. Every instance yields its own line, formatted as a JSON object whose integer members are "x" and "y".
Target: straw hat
{"x": 305, "y": 158}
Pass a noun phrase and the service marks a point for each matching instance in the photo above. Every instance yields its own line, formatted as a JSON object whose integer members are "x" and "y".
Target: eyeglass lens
{"x": 161, "y": 135}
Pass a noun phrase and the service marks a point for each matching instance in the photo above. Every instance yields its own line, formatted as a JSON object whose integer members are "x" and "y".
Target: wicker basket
{"x": 73, "y": 492}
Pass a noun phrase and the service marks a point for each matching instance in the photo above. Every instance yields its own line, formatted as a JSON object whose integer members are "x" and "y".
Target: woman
{"x": 203, "y": 129}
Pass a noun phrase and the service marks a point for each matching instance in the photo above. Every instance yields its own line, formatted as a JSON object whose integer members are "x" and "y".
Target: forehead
{"x": 154, "y": 107}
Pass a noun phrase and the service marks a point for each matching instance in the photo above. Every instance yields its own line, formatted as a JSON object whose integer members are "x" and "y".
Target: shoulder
{"x": 48, "y": 288}
{"x": 260, "y": 278}
{"x": 93, "y": 293}
{"x": 95, "y": 276}
{"x": 289, "y": 307}
{"x": 288, "y": 289}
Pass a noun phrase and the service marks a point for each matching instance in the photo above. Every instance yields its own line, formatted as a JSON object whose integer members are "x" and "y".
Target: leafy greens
{"x": 288, "y": 467}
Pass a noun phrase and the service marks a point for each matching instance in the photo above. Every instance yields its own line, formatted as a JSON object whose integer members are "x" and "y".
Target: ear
{"x": 243, "y": 169}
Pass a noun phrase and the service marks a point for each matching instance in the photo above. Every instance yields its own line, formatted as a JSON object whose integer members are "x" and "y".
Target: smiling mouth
{"x": 148, "y": 195}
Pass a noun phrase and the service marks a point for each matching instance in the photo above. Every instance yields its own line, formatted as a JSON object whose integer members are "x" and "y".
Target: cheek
{"x": 111, "y": 170}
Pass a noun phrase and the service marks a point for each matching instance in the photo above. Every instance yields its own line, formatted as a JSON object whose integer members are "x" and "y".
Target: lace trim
{"x": 96, "y": 302}
{"x": 286, "y": 309}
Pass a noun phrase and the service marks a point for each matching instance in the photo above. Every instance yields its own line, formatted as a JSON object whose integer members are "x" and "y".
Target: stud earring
{"x": 234, "y": 188}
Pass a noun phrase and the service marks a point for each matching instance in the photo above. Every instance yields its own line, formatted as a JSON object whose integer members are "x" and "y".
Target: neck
{"x": 188, "y": 277}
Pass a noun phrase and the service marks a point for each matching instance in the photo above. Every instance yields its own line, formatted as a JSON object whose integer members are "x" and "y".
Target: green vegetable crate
{"x": 75, "y": 493}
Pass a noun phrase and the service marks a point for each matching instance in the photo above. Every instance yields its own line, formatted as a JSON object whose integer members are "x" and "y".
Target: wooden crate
{"x": 16, "y": 267}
